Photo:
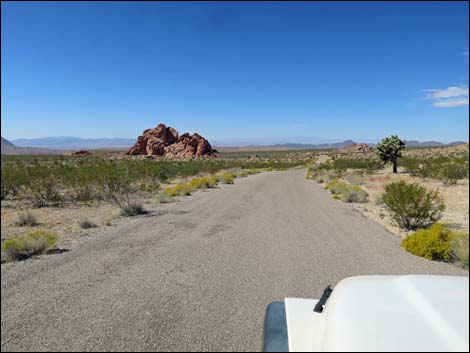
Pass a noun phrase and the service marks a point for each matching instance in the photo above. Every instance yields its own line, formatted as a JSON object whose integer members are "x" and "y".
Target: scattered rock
{"x": 165, "y": 141}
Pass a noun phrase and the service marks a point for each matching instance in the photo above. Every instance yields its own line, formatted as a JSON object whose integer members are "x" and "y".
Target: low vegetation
{"x": 23, "y": 247}
{"x": 459, "y": 252}
{"x": 26, "y": 219}
{"x": 52, "y": 180}
{"x": 449, "y": 169}
{"x": 203, "y": 183}
{"x": 162, "y": 198}
{"x": 438, "y": 243}
{"x": 179, "y": 190}
{"x": 228, "y": 178}
{"x": 87, "y": 224}
{"x": 133, "y": 209}
{"x": 413, "y": 206}
{"x": 346, "y": 192}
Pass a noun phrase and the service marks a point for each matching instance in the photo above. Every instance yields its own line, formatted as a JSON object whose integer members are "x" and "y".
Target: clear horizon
{"x": 255, "y": 72}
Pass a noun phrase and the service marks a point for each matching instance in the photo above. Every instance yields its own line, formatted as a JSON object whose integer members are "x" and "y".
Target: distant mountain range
{"x": 10, "y": 148}
{"x": 63, "y": 143}
{"x": 74, "y": 143}
{"x": 303, "y": 146}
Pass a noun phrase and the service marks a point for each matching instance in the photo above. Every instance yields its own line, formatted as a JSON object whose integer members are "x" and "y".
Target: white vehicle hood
{"x": 384, "y": 313}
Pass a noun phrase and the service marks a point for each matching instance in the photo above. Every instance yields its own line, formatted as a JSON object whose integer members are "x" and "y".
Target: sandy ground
{"x": 456, "y": 199}
{"x": 197, "y": 274}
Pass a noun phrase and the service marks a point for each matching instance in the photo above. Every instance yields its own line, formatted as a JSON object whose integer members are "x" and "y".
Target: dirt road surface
{"x": 199, "y": 274}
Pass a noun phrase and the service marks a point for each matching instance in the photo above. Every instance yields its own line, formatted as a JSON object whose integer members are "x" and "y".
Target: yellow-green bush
{"x": 34, "y": 243}
{"x": 179, "y": 190}
{"x": 433, "y": 243}
{"x": 203, "y": 183}
{"x": 228, "y": 178}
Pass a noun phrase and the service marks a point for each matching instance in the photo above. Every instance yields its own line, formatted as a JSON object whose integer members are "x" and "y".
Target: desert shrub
{"x": 203, "y": 183}
{"x": 45, "y": 191}
{"x": 433, "y": 243}
{"x": 86, "y": 224}
{"x": 115, "y": 185}
{"x": 133, "y": 209}
{"x": 244, "y": 173}
{"x": 453, "y": 172}
{"x": 459, "y": 249}
{"x": 34, "y": 243}
{"x": 228, "y": 178}
{"x": 450, "y": 169}
{"x": 355, "y": 196}
{"x": 413, "y": 206}
{"x": 12, "y": 179}
{"x": 83, "y": 193}
{"x": 337, "y": 187}
{"x": 163, "y": 198}
{"x": 346, "y": 192}
{"x": 26, "y": 219}
{"x": 366, "y": 166}
{"x": 336, "y": 197}
{"x": 179, "y": 190}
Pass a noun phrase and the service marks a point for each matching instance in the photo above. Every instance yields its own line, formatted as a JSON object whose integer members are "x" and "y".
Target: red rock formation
{"x": 81, "y": 153}
{"x": 165, "y": 141}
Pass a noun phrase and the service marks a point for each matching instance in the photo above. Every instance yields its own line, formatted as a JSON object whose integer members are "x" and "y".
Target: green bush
{"x": 26, "y": 219}
{"x": 453, "y": 172}
{"x": 432, "y": 244}
{"x": 412, "y": 206}
{"x": 34, "y": 243}
{"x": 86, "y": 224}
{"x": 45, "y": 192}
{"x": 133, "y": 209}
{"x": 459, "y": 249}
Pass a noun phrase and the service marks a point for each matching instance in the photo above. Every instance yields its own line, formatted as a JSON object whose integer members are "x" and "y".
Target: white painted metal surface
{"x": 384, "y": 313}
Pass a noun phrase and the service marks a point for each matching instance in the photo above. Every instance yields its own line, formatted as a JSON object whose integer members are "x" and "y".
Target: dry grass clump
{"x": 87, "y": 224}
{"x": 26, "y": 219}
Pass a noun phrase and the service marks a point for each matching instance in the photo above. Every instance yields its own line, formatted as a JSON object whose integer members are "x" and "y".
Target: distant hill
{"x": 413, "y": 143}
{"x": 10, "y": 148}
{"x": 74, "y": 143}
{"x": 291, "y": 146}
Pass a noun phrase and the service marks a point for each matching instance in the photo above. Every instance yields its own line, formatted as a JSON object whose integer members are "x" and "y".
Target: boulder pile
{"x": 165, "y": 141}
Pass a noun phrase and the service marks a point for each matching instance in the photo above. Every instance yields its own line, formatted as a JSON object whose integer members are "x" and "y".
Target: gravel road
{"x": 199, "y": 274}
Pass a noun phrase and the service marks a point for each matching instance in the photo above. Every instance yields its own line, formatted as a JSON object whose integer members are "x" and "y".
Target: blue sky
{"x": 236, "y": 72}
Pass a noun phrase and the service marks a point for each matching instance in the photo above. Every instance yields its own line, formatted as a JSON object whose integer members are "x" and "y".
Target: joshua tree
{"x": 389, "y": 149}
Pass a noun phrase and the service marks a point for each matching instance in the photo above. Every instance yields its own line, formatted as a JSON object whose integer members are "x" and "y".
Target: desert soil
{"x": 197, "y": 274}
{"x": 455, "y": 197}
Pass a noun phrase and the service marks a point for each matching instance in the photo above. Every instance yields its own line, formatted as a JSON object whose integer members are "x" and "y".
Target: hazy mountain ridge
{"x": 56, "y": 144}
{"x": 74, "y": 143}
{"x": 8, "y": 147}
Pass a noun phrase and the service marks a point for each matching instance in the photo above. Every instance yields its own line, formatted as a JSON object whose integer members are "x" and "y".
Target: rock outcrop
{"x": 165, "y": 141}
{"x": 356, "y": 148}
